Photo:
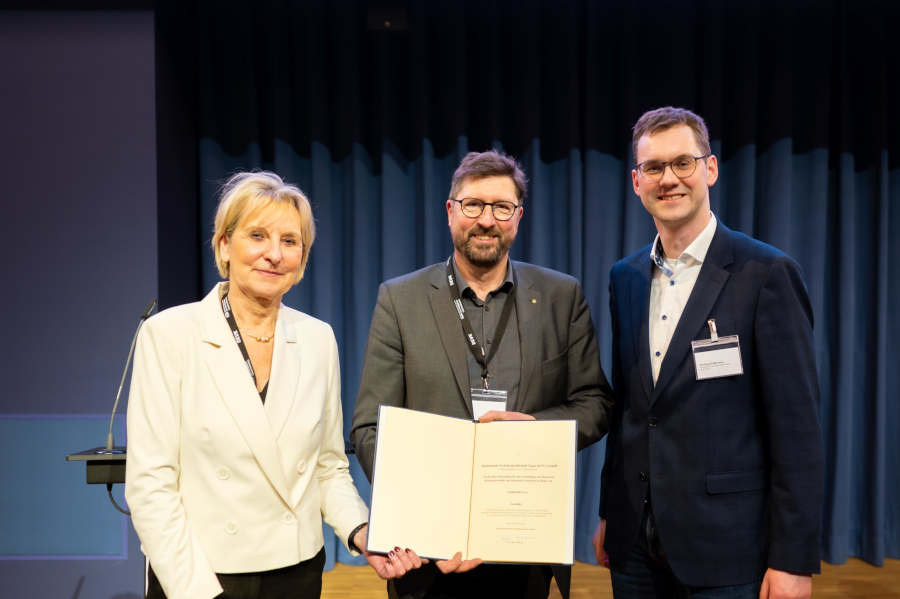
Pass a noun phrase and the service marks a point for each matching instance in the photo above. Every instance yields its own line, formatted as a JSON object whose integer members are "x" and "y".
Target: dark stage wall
{"x": 78, "y": 162}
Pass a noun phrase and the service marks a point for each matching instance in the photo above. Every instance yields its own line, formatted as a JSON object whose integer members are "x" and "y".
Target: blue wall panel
{"x": 52, "y": 513}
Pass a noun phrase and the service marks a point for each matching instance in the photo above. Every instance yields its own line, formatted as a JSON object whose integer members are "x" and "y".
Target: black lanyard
{"x": 471, "y": 339}
{"x": 229, "y": 316}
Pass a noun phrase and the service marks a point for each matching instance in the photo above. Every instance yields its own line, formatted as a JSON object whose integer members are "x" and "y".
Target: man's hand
{"x": 778, "y": 584}
{"x": 497, "y": 415}
{"x": 599, "y": 537}
{"x": 393, "y": 565}
{"x": 456, "y": 563}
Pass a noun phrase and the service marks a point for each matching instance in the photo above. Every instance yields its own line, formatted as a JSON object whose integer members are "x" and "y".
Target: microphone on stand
{"x": 110, "y": 440}
{"x": 106, "y": 465}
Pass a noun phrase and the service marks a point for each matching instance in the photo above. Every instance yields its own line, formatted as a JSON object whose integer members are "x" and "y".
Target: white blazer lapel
{"x": 231, "y": 378}
{"x": 285, "y": 374}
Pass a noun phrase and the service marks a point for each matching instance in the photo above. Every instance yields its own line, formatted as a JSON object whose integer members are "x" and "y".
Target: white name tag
{"x": 485, "y": 400}
{"x": 714, "y": 358}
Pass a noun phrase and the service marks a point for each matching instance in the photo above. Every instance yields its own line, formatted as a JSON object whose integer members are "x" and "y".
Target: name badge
{"x": 485, "y": 400}
{"x": 717, "y": 356}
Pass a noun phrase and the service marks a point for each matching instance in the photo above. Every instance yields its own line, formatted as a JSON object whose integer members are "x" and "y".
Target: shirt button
{"x": 223, "y": 474}
{"x": 231, "y": 527}
{"x": 653, "y": 421}
{"x": 656, "y": 354}
{"x": 643, "y": 477}
{"x": 671, "y": 283}
{"x": 664, "y": 317}
{"x": 288, "y": 518}
{"x": 487, "y": 308}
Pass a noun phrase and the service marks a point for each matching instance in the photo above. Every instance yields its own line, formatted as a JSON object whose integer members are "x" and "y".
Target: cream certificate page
{"x": 421, "y": 483}
{"x": 499, "y": 491}
{"x": 523, "y": 495}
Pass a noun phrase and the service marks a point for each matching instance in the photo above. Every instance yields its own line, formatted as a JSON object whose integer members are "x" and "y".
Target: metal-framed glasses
{"x": 473, "y": 207}
{"x": 683, "y": 166}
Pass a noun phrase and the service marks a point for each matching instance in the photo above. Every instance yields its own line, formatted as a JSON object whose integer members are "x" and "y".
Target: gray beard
{"x": 482, "y": 259}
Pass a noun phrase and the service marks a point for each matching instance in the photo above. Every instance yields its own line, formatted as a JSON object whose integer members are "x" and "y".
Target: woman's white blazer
{"x": 217, "y": 481}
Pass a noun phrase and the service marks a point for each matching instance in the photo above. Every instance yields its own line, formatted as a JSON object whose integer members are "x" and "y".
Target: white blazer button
{"x": 301, "y": 467}
{"x": 223, "y": 473}
{"x": 231, "y": 527}
{"x": 288, "y": 518}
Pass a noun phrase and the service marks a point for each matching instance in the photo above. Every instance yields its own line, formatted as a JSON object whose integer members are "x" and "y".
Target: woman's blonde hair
{"x": 246, "y": 193}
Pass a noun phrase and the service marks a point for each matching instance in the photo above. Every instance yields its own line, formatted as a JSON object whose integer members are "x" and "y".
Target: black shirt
{"x": 506, "y": 366}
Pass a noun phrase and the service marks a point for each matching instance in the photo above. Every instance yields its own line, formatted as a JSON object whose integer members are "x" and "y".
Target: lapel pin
{"x": 533, "y": 301}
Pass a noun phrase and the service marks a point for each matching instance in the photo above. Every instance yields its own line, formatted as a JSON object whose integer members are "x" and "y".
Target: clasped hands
{"x": 400, "y": 561}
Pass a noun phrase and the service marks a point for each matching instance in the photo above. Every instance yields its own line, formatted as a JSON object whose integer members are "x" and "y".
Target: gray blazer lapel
{"x": 229, "y": 373}
{"x": 710, "y": 281}
{"x": 530, "y": 310}
{"x": 447, "y": 321}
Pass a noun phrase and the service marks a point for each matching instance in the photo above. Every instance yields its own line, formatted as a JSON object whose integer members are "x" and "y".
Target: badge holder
{"x": 717, "y": 357}
{"x": 485, "y": 400}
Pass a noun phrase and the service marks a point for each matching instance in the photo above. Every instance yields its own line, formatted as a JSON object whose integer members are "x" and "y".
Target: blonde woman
{"x": 235, "y": 442}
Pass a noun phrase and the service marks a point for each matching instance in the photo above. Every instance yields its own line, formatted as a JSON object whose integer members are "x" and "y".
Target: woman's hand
{"x": 393, "y": 565}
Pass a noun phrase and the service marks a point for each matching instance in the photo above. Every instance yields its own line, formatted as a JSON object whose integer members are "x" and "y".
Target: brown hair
{"x": 478, "y": 165}
{"x": 667, "y": 117}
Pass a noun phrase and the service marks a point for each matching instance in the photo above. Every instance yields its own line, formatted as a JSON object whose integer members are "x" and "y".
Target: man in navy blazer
{"x": 713, "y": 480}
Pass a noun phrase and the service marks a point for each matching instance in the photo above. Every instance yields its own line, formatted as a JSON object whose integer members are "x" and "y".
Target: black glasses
{"x": 473, "y": 207}
{"x": 683, "y": 167}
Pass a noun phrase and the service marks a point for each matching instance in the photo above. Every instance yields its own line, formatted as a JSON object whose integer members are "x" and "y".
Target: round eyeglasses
{"x": 473, "y": 207}
{"x": 683, "y": 166}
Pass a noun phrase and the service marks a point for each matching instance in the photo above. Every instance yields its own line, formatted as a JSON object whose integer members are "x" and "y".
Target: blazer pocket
{"x": 554, "y": 363}
{"x": 735, "y": 482}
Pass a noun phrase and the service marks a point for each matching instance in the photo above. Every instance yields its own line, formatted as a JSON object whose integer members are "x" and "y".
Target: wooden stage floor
{"x": 852, "y": 580}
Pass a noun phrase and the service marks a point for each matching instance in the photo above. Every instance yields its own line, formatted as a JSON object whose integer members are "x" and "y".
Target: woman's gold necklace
{"x": 260, "y": 339}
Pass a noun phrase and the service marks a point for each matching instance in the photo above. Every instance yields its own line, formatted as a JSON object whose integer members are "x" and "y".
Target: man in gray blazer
{"x": 481, "y": 336}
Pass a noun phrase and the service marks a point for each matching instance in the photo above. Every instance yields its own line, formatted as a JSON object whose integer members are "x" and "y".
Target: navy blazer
{"x": 733, "y": 466}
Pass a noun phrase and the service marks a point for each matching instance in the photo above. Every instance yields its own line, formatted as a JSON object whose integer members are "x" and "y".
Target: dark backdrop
{"x": 369, "y": 106}
{"x": 371, "y": 120}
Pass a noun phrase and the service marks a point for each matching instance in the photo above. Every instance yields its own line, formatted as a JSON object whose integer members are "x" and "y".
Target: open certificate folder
{"x": 500, "y": 491}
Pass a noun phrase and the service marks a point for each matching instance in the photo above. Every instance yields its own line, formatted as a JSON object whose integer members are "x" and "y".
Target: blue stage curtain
{"x": 801, "y": 100}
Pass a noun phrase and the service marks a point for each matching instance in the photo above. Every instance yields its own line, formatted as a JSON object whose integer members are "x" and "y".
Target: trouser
{"x": 646, "y": 574}
{"x": 300, "y": 581}
{"x": 487, "y": 581}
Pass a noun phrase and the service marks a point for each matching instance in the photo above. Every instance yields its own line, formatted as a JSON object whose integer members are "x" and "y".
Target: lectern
{"x": 103, "y": 466}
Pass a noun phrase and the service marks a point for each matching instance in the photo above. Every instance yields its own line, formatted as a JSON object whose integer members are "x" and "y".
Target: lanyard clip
{"x": 713, "y": 334}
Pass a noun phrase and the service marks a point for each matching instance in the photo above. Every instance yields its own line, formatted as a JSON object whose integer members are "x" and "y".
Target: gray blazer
{"x": 416, "y": 355}
{"x": 416, "y": 358}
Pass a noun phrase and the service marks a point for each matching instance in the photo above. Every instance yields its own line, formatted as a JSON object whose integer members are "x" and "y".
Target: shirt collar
{"x": 464, "y": 287}
{"x": 696, "y": 250}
